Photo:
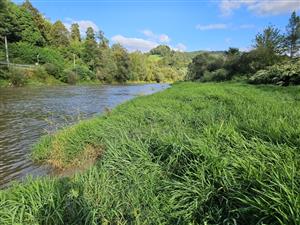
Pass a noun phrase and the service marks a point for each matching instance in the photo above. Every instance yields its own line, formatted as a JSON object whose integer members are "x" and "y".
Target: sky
{"x": 184, "y": 25}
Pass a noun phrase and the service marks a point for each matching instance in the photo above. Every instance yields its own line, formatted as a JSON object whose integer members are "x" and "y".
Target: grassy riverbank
{"x": 193, "y": 154}
{"x": 51, "y": 81}
{"x": 31, "y": 82}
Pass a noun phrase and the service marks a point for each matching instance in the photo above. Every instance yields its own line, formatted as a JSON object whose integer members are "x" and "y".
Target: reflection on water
{"x": 28, "y": 113}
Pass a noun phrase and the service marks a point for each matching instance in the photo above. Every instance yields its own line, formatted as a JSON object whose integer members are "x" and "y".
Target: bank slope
{"x": 192, "y": 154}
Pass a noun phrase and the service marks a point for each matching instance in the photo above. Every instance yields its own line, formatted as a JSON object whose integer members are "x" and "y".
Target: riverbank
{"x": 32, "y": 82}
{"x": 51, "y": 81}
{"x": 195, "y": 153}
{"x": 28, "y": 113}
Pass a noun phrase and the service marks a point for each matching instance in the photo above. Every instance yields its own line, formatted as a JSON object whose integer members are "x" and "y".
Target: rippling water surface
{"x": 28, "y": 113}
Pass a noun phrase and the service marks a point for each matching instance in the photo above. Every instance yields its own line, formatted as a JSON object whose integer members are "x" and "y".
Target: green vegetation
{"x": 193, "y": 154}
{"x": 283, "y": 74}
{"x": 35, "y": 40}
{"x": 266, "y": 63}
{"x": 214, "y": 153}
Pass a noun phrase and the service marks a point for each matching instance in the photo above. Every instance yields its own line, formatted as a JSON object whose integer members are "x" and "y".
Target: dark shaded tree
{"x": 197, "y": 67}
{"x": 232, "y": 61}
{"x": 202, "y": 63}
{"x": 90, "y": 34}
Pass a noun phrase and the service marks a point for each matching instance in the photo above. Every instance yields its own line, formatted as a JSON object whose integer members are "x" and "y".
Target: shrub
{"x": 40, "y": 73}
{"x": 71, "y": 77}
{"x": 52, "y": 69}
{"x": 282, "y": 74}
{"x": 197, "y": 67}
{"x": 158, "y": 76}
{"x": 215, "y": 63}
{"x": 23, "y": 52}
{"x": 202, "y": 63}
{"x": 218, "y": 75}
{"x": 84, "y": 73}
{"x": 171, "y": 74}
{"x": 4, "y": 74}
{"x": 17, "y": 77}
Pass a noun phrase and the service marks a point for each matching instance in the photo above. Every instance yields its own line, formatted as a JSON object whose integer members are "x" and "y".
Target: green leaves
{"x": 281, "y": 74}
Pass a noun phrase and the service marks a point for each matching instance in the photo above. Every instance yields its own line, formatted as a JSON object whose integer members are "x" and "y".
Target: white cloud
{"x": 223, "y": 26}
{"x": 245, "y": 49}
{"x": 150, "y": 41}
{"x": 180, "y": 47}
{"x": 134, "y": 44}
{"x": 260, "y": 7}
{"x": 163, "y": 38}
{"x": 246, "y": 26}
{"x": 227, "y": 6}
{"x": 274, "y": 7}
{"x": 148, "y": 33}
{"x": 215, "y": 26}
{"x": 83, "y": 25}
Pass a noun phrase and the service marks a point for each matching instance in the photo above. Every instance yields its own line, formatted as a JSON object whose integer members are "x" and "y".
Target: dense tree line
{"x": 70, "y": 57}
{"x": 273, "y": 59}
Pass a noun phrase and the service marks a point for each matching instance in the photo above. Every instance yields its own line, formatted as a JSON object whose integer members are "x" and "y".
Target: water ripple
{"x": 28, "y": 113}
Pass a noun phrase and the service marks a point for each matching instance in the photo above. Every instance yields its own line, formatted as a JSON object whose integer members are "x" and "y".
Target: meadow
{"x": 213, "y": 153}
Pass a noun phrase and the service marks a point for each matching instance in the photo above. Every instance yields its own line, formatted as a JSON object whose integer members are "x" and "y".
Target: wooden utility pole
{"x": 6, "y": 50}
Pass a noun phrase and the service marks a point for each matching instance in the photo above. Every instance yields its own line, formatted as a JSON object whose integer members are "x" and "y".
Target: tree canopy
{"x": 70, "y": 56}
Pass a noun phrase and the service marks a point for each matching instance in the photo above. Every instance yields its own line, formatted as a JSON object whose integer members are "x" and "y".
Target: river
{"x": 30, "y": 112}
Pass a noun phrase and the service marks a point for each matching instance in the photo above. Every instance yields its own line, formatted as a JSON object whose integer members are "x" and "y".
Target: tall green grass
{"x": 193, "y": 154}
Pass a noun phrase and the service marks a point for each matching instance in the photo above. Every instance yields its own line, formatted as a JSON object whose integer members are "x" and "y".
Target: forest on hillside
{"x": 69, "y": 56}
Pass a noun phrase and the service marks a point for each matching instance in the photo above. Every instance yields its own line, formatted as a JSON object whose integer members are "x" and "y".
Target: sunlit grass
{"x": 193, "y": 154}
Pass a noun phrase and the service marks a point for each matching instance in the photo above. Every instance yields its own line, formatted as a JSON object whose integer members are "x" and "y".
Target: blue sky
{"x": 184, "y": 25}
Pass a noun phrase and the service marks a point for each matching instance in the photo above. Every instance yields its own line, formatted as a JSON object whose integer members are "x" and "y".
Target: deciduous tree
{"x": 59, "y": 34}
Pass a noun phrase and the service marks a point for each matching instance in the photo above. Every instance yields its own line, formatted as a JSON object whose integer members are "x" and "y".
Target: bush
{"x": 202, "y": 63}
{"x": 4, "y": 74}
{"x": 215, "y": 63}
{"x": 40, "y": 73}
{"x": 84, "y": 73}
{"x": 26, "y": 53}
{"x": 52, "y": 69}
{"x": 23, "y": 52}
{"x": 71, "y": 77}
{"x": 218, "y": 75}
{"x": 282, "y": 74}
{"x": 17, "y": 77}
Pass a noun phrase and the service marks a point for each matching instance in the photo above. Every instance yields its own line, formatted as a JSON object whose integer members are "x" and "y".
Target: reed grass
{"x": 192, "y": 154}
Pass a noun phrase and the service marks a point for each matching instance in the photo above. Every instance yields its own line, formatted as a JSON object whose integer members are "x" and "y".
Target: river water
{"x": 28, "y": 113}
